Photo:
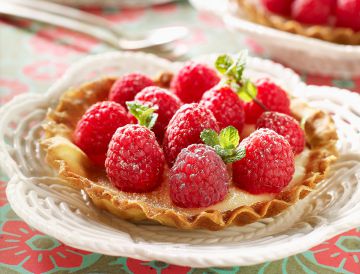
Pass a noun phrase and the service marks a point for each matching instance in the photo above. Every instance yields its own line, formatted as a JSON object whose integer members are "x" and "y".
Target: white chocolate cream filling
{"x": 247, "y": 130}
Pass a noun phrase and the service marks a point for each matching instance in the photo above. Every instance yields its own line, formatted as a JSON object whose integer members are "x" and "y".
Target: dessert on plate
{"x": 202, "y": 148}
{"x": 336, "y": 21}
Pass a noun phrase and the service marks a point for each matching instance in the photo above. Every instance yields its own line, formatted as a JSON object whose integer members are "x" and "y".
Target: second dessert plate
{"x": 40, "y": 198}
{"x": 299, "y": 52}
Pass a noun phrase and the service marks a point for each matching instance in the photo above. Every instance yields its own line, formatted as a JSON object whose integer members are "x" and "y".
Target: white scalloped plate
{"x": 36, "y": 195}
{"x": 300, "y": 52}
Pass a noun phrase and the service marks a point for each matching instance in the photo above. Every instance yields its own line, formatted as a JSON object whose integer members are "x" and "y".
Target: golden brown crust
{"x": 337, "y": 35}
{"x": 73, "y": 104}
{"x": 74, "y": 166}
{"x": 163, "y": 79}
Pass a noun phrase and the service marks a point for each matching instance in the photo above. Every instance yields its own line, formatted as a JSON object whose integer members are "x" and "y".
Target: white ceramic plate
{"x": 299, "y": 52}
{"x": 38, "y": 196}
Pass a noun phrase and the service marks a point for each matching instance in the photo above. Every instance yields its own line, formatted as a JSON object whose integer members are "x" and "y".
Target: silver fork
{"x": 156, "y": 41}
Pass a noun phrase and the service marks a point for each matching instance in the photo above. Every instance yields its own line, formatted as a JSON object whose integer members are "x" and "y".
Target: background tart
{"x": 256, "y": 13}
{"x": 238, "y": 208}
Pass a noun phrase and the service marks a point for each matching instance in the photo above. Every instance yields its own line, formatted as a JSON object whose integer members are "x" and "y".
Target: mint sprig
{"x": 210, "y": 137}
{"x": 230, "y": 69}
{"x": 233, "y": 76}
{"x": 145, "y": 115}
{"x": 223, "y": 63}
{"x": 226, "y": 144}
{"x": 248, "y": 91}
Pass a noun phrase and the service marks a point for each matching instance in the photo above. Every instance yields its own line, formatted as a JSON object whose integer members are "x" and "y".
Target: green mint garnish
{"x": 145, "y": 115}
{"x": 233, "y": 76}
{"x": 230, "y": 69}
{"x": 247, "y": 91}
{"x": 226, "y": 144}
{"x": 229, "y": 138}
{"x": 223, "y": 63}
{"x": 210, "y": 137}
{"x": 240, "y": 64}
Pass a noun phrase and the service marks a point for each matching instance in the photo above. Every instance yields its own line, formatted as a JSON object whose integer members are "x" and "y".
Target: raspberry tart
{"x": 328, "y": 20}
{"x": 176, "y": 160}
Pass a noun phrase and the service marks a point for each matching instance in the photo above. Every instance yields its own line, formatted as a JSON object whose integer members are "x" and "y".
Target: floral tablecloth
{"x": 32, "y": 56}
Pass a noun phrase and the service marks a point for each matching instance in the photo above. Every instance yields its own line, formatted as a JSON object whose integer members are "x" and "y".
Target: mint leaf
{"x": 239, "y": 66}
{"x": 145, "y": 115}
{"x": 248, "y": 91}
{"x": 151, "y": 120}
{"x": 210, "y": 137}
{"x": 234, "y": 86}
{"x": 223, "y": 152}
{"x": 233, "y": 76}
{"x": 223, "y": 63}
{"x": 225, "y": 144}
{"x": 239, "y": 153}
{"x": 230, "y": 155}
{"x": 229, "y": 137}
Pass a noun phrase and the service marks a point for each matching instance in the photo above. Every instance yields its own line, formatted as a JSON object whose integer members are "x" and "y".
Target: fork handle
{"x": 8, "y": 8}
{"x": 67, "y": 12}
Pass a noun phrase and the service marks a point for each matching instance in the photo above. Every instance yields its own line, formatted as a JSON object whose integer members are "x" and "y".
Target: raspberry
{"x": 282, "y": 7}
{"x": 199, "y": 177}
{"x": 268, "y": 166}
{"x": 348, "y": 14}
{"x": 167, "y": 103}
{"x": 185, "y": 127}
{"x": 135, "y": 161}
{"x": 284, "y": 125}
{"x": 193, "y": 80}
{"x": 272, "y": 96}
{"x": 127, "y": 86}
{"x": 226, "y": 106}
{"x": 312, "y": 11}
{"x": 96, "y": 127}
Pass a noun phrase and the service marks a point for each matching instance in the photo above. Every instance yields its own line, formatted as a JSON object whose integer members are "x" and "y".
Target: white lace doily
{"x": 37, "y": 197}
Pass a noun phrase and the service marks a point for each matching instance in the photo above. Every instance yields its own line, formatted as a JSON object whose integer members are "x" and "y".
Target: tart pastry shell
{"x": 337, "y": 35}
{"x": 72, "y": 165}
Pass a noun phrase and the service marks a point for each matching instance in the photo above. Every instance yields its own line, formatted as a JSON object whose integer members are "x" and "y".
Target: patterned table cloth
{"x": 33, "y": 56}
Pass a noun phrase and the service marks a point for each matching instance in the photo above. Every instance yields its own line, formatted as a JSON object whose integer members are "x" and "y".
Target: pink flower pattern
{"x": 16, "y": 248}
{"x": 334, "y": 253}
